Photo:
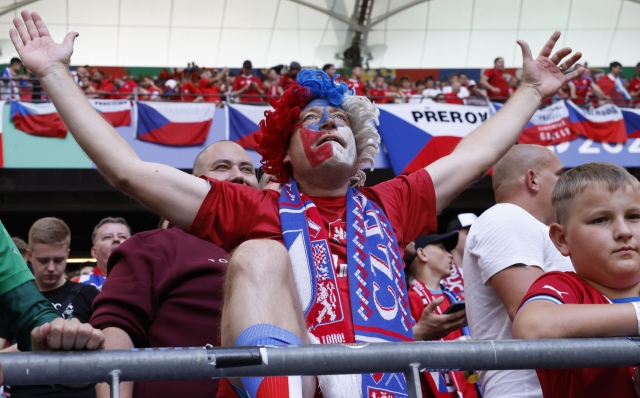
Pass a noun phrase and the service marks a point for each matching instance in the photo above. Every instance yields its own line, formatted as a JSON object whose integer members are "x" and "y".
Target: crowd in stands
{"x": 251, "y": 86}
{"x": 308, "y": 254}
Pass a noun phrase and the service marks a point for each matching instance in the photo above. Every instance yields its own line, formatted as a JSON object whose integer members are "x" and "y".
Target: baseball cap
{"x": 462, "y": 220}
{"x": 247, "y": 64}
{"x": 449, "y": 240}
{"x": 294, "y": 65}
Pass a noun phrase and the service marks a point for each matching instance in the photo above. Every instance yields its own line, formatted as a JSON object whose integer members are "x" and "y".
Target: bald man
{"x": 507, "y": 249}
{"x": 165, "y": 286}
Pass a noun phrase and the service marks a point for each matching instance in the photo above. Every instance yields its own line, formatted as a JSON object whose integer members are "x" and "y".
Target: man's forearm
{"x": 115, "y": 339}
{"x": 25, "y": 308}
{"x": 106, "y": 148}
{"x": 546, "y": 320}
{"x": 481, "y": 149}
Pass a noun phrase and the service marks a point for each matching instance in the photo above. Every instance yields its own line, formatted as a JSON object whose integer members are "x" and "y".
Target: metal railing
{"x": 115, "y": 366}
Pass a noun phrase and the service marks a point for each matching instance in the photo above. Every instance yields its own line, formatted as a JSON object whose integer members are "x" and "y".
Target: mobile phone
{"x": 455, "y": 307}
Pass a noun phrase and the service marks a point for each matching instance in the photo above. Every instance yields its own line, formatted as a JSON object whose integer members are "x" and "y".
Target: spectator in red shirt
{"x": 149, "y": 91}
{"x": 583, "y": 87}
{"x": 272, "y": 79}
{"x": 493, "y": 80}
{"x": 123, "y": 89}
{"x": 103, "y": 87}
{"x": 289, "y": 79}
{"x": 209, "y": 86}
{"x": 329, "y": 69}
{"x": 612, "y": 86}
{"x": 379, "y": 92}
{"x": 189, "y": 92}
{"x": 354, "y": 81}
{"x": 405, "y": 87}
{"x": 247, "y": 86}
{"x": 634, "y": 85}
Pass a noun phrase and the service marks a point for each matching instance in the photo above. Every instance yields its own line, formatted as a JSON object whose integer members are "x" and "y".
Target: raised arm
{"x": 171, "y": 193}
{"x": 481, "y": 149}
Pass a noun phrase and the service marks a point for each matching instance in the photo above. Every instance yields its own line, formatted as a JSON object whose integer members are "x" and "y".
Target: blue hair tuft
{"x": 322, "y": 86}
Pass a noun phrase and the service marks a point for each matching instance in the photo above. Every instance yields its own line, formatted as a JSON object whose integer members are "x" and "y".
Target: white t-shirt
{"x": 463, "y": 93}
{"x": 431, "y": 92}
{"x": 503, "y": 236}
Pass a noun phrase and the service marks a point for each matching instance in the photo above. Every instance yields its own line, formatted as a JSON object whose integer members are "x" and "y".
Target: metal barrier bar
{"x": 114, "y": 366}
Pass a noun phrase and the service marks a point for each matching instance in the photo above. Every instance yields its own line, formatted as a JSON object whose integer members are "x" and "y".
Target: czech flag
{"x": 175, "y": 124}
{"x": 416, "y": 135}
{"x": 632, "y": 122}
{"x": 38, "y": 119}
{"x": 116, "y": 112}
{"x": 548, "y": 126}
{"x": 242, "y": 123}
{"x": 602, "y": 124}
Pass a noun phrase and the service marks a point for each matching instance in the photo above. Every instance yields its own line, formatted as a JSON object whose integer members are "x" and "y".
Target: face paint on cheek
{"x": 318, "y": 155}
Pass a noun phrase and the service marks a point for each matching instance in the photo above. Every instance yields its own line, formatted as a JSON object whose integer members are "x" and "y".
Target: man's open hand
{"x": 36, "y": 48}
{"x": 66, "y": 335}
{"x": 545, "y": 74}
{"x": 432, "y": 326}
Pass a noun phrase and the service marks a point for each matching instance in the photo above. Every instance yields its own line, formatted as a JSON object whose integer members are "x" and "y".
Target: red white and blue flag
{"x": 416, "y": 135}
{"x": 38, "y": 119}
{"x": 243, "y": 123}
{"x": 116, "y": 112}
{"x": 631, "y": 122}
{"x": 602, "y": 124}
{"x": 175, "y": 124}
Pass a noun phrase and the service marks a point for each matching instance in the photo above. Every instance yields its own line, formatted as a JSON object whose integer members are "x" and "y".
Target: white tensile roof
{"x": 431, "y": 34}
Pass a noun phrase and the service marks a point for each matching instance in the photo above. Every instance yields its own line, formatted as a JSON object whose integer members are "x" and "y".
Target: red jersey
{"x": 634, "y": 85}
{"x": 378, "y": 95}
{"x": 124, "y": 91}
{"x": 496, "y": 79}
{"x": 439, "y": 384}
{"x": 569, "y": 288}
{"x": 358, "y": 86}
{"x": 105, "y": 86}
{"x": 452, "y": 98}
{"x": 251, "y": 95}
{"x": 607, "y": 85}
{"x": 234, "y": 213}
{"x": 408, "y": 92}
{"x": 189, "y": 92}
{"x": 286, "y": 81}
{"x": 210, "y": 91}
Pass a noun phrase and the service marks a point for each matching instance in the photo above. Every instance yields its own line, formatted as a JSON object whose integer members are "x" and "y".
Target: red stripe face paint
{"x": 319, "y": 154}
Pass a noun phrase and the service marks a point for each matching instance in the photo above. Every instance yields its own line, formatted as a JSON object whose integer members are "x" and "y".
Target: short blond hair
{"x": 50, "y": 231}
{"x": 575, "y": 181}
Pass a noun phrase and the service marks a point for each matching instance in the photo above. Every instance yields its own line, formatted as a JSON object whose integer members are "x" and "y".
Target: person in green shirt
{"x": 31, "y": 317}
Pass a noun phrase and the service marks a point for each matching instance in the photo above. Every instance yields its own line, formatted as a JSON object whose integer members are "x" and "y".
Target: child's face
{"x": 439, "y": 259}
{"x": 603, "y": 236}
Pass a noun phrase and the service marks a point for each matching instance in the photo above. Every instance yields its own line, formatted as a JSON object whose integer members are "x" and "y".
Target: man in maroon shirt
{"x": 165, "y": 286}
{"x": 313, "y": 142}
{"x": 247, "y": 86}
{"x": 493, "y": 80}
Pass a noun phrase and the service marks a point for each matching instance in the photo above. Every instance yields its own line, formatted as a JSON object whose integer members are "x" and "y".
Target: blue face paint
{"x": 324, "y": 104}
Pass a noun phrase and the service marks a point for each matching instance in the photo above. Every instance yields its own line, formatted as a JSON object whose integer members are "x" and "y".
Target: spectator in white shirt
{"x": 507, "y": 249}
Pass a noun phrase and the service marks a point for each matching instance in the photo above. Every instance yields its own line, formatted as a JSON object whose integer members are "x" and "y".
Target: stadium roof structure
{"x": 390, "y": 33}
